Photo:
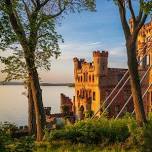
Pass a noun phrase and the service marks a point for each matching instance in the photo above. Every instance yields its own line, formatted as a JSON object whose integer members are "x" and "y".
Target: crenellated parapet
{"x": 80, "y": 63}
{"x": 87, "y": 71}
{"x": 100, "y": 54}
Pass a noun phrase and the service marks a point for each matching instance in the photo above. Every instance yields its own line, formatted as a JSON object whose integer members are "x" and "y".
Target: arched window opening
{"x": 94, "y": 96}
{"x": 92, "y": 78}
{"x": 83, "y": 93}
{"x": 81, "y": 78}
{"x": 89, "y": 78}
{"x": 86, "y": 77}
{"x": 78, "y": 78}
{"x": 78, "y": 93}
{"x": 90, "y": 93}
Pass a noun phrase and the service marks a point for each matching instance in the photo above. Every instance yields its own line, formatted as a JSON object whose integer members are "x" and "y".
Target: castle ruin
{"x": 94, "y": 81}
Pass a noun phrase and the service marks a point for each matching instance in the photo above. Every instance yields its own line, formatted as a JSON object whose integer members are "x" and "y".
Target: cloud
{"x": 72, "y": 49}
{"x": 79, "y": 49}
{"x": 95, "y": 43}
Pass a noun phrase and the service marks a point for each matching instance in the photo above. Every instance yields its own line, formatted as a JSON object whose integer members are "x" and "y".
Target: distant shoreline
{"x": 42, "y": 84}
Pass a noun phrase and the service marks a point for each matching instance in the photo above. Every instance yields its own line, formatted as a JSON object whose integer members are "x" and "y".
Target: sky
{"x": 83, "y": 33}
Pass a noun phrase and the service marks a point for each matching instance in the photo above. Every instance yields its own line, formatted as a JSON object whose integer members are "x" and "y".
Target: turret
{"x": 76, "y": 63}
{"x": 76, "y": 66}
{"x": 100, "y": 60}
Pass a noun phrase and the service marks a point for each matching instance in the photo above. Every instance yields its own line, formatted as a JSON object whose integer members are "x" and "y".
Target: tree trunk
{"x": 38, "y": 104}
{"x": 31, "y": 112}
{"x": 135, "y": 82}
{"x": 37, "y": 97}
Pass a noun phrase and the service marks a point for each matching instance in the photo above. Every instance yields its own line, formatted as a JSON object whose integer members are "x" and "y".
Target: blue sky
{"x": 84, "y": 32}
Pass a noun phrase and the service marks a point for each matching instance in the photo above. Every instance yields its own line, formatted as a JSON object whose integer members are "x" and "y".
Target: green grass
{"x": 64, "y": 146}
{"x": 122, "y": 135}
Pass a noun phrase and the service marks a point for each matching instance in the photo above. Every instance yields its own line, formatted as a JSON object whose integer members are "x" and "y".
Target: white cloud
{"x": 96, "y": 43}
{"x": 81, "y": 50}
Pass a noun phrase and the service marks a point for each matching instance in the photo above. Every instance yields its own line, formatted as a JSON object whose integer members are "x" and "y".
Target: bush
{"x": 10, "y": 144}
{"x": 25, "y": 144}
{"x": 147, "y": 137}
{"x": 118, "y": 130}
{"x": 93, "y": 131}
{"x": 6, "y": 129}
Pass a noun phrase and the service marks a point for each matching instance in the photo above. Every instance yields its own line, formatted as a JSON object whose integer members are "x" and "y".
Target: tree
{"x": 31, "y": 23}
{"x": 131, "y": 35}
{"x": 147, "y": 6}
{"x": 15, "y": 69}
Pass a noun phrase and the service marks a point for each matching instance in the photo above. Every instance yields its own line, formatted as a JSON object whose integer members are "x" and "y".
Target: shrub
{"x": 136, "y": 134}
{"x": 147, "y": 136}
{"x": 150, "y": 116}
{"x": 118, "y": 131}
{"x": 6, "y": 129}
{"x": 93, "y": 131}
{"x": 25, "y": 144}
{"x": 57, "y": 135}
{"x": 10, "y": 144}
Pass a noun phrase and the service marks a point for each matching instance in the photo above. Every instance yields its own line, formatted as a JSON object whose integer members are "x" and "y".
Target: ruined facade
{"x": 66, "y": 104}
{"x": 94, "y": 81}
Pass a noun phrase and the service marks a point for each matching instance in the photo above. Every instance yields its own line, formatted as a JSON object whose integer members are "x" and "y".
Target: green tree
{"x": 31, "y": 24}
{"x": 131, "y": 34}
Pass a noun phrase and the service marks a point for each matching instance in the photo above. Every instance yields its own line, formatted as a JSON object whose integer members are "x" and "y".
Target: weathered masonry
{"x": 95, "y": 80}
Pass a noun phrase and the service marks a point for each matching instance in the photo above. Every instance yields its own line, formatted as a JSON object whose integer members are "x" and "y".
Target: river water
{"x": 14, "y": 105}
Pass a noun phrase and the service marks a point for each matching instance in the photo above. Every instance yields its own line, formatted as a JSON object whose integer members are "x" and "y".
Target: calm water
{"x": 13, "y": 104}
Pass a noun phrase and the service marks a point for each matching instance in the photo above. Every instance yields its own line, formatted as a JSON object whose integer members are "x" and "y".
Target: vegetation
{"x": 28, "y": 27}
{"x": 89, "y": 135}
{"x": 96, "y": 131}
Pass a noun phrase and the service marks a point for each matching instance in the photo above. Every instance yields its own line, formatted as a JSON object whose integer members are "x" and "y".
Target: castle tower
{"x": 76, "y": 65}
{"x": 100, "y": 60}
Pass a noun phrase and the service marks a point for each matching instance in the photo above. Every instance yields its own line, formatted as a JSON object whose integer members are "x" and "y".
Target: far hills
{"x": 42, "y": 84}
